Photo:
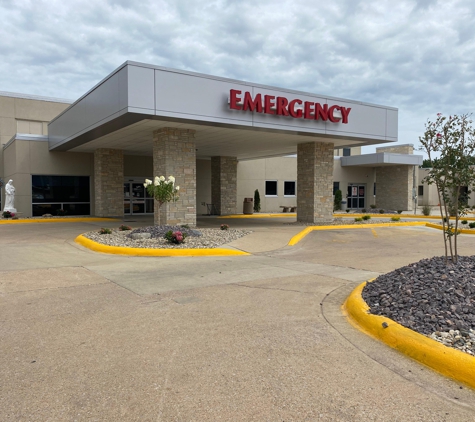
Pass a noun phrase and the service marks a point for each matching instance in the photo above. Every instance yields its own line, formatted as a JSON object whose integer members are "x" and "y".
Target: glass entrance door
{"x": 136, "y": 199}
{"x": 356, "y": 196}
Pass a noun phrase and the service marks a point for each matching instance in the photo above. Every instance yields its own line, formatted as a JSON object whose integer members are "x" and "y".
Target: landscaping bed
{"x": 194, "y": 238}
{"x": 431, "y": 298}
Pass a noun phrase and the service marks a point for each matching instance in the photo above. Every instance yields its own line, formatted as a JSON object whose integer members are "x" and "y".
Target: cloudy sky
{"x": 416, "y": 55}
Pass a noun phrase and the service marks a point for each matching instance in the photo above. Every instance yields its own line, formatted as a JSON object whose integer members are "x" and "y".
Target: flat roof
{"x": 35, "y": 97}
{"x": 124, "y": 109}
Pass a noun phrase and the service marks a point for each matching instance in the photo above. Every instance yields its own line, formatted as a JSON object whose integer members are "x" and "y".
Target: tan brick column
{"x": 224, "y": 184}
{"x": 315, "y": 182}
{"x": 174, "y": 154}
{"x": 394, "y": 187}
{"x": 109, "y": 182}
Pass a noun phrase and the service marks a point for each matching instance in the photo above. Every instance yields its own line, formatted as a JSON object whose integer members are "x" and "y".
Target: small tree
{"x": 449, "y": 144}
{"x": 257, "y": 201}
{"x": 337, "y": 201}
{"x": 162, "y": 190}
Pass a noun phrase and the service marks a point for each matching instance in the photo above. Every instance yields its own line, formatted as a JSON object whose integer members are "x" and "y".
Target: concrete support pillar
{"x": 394, "y": 187}
{"x": 224, "y": 184}
{"x": 315, "y": 182}
{"x": 109, "y": 182}
{"x": 174, "y": 154}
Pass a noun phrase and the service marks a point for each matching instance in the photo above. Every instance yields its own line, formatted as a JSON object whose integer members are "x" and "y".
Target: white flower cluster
{"x": 161, "y": 180}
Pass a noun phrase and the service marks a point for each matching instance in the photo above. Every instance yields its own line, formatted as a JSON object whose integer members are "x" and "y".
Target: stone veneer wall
{"x": 315, "y": 182}
{"x": 397, "y": 149}
{"x": 224, "y": 184}
{"x": 174, "y": 154}
{"x": 394, "y": 187}
{"x": 109, "y": 182}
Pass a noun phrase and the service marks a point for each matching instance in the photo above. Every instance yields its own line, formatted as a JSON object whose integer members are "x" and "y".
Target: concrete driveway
{"x": 94, "y": 337}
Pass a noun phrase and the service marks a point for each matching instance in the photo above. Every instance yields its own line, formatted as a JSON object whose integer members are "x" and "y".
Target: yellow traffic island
{"x": 450, "y": 362}
{"x": 123, "y": 250}
{"x": 57, "y": 220}
{"x": 299, "y": 236}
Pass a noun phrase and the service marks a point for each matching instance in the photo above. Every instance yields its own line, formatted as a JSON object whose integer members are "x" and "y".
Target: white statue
{"x": 9, "y": 197}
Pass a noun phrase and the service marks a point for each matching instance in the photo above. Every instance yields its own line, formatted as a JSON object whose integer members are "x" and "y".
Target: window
{"x": 52, "y": 193}
{"x": 420, "y": 190}
{"x": 289, "y": 188}
{"x": 346, "y": 152}
{"x": 336, "y": 186}
{"x": 271, "y": 187}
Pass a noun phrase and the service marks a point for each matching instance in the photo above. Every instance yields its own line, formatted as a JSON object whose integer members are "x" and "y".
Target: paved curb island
{"x": 449, "y": 362}
{"x": 121, "y": 250}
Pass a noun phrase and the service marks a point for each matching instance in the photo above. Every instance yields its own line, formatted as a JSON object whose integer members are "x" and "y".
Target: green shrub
{"x": 472, "y": 225}
{"x": 105, "y": 231}
{"x": 395, "y": 218}
{"x": 363, "y": 210}
{"x": 347, "y": 210}
{"x": 381, "y": 211}
{"x": 426, "y": 209}
{"x": 366, "y": 217}
{"x": 257, "y": 201}
{"x": 399, "y": 211}
{"x": 123, "y": 228}
{"x": 61, "y": 212}
{"x": 337, "y": 201}
{"x": 358, "y": 219}
{"x": 373, "y": 206}
{"x": 464, "y": 222}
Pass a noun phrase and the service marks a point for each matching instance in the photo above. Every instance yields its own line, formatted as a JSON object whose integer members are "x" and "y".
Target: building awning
{"x": 231, "y": 118}
{"x": 380, "y": 159}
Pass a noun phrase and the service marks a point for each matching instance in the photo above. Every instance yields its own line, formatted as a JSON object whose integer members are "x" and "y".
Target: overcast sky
{"x": 418, "y": 56}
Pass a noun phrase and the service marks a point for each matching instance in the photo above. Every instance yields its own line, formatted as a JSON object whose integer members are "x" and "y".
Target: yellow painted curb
{"x": 57, "y": 220}
{"x": 276, "y": 215}
{"x": 449, "y": 362}
{"x": 120, "y": 250}
{"x": 439, "y": 227}
{"x": 299, "y": 236}
{"x": 423, "y": 217}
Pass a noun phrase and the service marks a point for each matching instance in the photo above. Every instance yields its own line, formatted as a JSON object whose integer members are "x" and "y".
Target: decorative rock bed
{"x": 199, "y": 239}
{"x": 430, "y": 297}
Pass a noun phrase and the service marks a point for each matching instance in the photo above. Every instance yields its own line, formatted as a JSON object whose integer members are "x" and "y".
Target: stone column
{"x": 109, "y": 182}
{"x": 224, "y": 184}
{"x": 394, "y": 187}
{"x": 315, "y": 182}
{"x": 174, "y": 154}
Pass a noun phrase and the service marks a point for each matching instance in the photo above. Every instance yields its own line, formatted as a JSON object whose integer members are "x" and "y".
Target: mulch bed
{"x": 431, "y": 297}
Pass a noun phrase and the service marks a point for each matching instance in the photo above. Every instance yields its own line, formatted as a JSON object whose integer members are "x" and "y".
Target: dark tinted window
{"x": 271, "y": 187}
{"x": 60, "y": 189}
{"x": 289, "y": 188}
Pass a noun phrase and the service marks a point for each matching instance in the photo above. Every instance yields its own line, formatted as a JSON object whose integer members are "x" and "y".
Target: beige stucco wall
{"x": 430, "y": 196}
{"x": 17, "y": 113}
{"x": 25, "y": 158}
{"x": 252, "y": 175}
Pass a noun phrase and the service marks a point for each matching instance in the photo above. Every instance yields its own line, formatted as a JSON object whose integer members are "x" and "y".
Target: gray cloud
{"x": 414, "y": 55}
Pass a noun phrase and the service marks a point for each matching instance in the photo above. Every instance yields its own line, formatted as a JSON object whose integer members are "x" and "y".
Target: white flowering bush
{"x": 162, "y": 190}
